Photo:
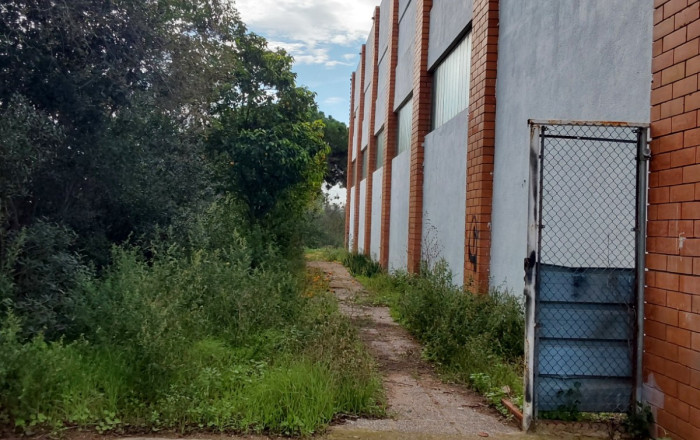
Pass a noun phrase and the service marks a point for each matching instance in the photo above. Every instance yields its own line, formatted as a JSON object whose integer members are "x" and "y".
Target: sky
{"x": 323, "y": 36}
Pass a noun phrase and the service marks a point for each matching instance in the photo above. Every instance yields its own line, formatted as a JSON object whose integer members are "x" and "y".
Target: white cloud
{"x": 313, "y": 21}
{"x": 307, "y": 28}
{"x": 333, "y": 100}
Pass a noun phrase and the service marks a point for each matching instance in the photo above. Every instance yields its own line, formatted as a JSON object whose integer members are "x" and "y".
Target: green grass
{"x": 475, "y": 339}
{"x": 191, "y": 342}
{"x": 382, "y": 290}
{"x": 327, "y": 253}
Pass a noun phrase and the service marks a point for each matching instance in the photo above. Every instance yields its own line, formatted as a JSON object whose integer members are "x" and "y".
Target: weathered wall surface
{"x": 361, "y": 230}
{"x": 376, "y": 214}
{"x": 382, "y": 91}
{"x": 384, "y": 28}
{"x": 398, "y": 235}
{"x": 369, "y": 75}
{"x": 548, "y": 69}
{"x": 445, "y": 194}
{"x": 365, "y": 122}
{"x": 447, "y": 21}
{"x": 404, "y": 67}
{"x": 351, "y": 232}
{"x": 382, "y": 65}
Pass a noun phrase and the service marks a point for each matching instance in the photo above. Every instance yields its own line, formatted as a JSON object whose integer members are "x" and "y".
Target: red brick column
{"x": 358, "y": 161}
{"x": 422, "y": 89}
{"x": 349, "y": 176}
{"x": 390, "y": 127}
{"x": 671, "y": 363}
{"x": 372, "y": 141}
{"x": 481, "y": 142}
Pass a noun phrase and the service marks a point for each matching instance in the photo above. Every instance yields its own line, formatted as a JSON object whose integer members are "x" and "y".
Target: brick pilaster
{"x": 390, "y": 127}
{"x": 372, "y": 141}
{"x": 671, "y": 360}
{"x": 349, "y": 176}
{"x": 422, "y": 87}
{"x": 481, "y": 142}
{"x": 358, "y": 160}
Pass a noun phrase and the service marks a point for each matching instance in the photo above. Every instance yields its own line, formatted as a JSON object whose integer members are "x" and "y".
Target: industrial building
{"x": 549, "y": 148}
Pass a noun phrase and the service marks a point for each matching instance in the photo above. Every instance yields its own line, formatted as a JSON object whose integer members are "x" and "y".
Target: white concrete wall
{"x": 382, "y": 92}
{"x": 448, "y": 20}
{"x": 404, "y": 64}
{"x": 369, "y": 60}
{"x": 559, "y": 59}
{"x": 376, "y": 227}
{"x": 355, "y": 130}
{"x": 356, "y": 110}
{"x": 398, "y": 232}
{"x": 384, "y": 28}
{"x": 358, "y": 84}
{"x": 351, "y": 234}
{"x": 365, "y": 123}
{"x": 382, "y": 65}
{"x": 361, "y": 230}
{"x": 369, "y": 76}
{"x": 444, "y": 195}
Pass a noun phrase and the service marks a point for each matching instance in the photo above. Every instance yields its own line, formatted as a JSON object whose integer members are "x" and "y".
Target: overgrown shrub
{"x": 361, "y": 265}
{"x": 41, "y": 272}
{"x": 189, "y": 338}
{"x": 448, "y": 318}
{"x": 324, "y": 224}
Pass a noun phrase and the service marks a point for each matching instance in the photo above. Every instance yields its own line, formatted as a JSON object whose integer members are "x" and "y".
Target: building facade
{"x": 445, "y": 103}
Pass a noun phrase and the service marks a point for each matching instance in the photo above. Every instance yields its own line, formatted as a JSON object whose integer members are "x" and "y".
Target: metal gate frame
{"x": 533, "y": 248}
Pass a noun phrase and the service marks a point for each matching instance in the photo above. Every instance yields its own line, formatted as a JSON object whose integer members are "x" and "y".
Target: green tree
{"x": 121, "y": 119}
{"x": 269, "y": 150}
{"x": 335, "y": 134}
{"x": 130, "y": 85}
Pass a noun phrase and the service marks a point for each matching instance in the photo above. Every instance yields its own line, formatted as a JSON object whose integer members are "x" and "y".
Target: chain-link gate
{"x": 584, "y": 271}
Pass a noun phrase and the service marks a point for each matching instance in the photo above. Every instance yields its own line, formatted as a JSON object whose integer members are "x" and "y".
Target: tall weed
{"x": 361, "y": 265}
{"x": 200, "y": 339}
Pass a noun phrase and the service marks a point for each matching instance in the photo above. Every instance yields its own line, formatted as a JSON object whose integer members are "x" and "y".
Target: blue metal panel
{"x": 572, "y": 358}
{"x": 586, "y": 321}
{"x": 584, "y": 394}
{"x": 586, "y": 285}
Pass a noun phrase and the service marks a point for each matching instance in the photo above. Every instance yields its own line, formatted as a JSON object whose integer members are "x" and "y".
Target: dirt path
{"x": 418, "y": 402}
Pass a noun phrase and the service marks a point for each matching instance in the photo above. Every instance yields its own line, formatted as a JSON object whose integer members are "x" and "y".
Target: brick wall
{"x": 481, "y": 142}
{"x": 671, "y": 362}
{"x": 422, "y": 86}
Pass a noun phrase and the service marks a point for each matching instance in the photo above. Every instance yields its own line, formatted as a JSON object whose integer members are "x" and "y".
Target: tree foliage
{"x": 336, "y": 135}
{"x": 124, "y": 120}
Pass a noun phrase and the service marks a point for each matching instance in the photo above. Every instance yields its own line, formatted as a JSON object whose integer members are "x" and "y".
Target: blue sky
{"x": 324, "y": 36}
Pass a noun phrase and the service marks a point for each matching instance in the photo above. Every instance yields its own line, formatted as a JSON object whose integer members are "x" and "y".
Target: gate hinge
{"x": 645, "y": 153}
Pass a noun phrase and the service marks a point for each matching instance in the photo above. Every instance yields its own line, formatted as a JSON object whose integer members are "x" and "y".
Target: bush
{"x": 190, "y": 340}
{"x": 40, "y": 273}
{"x": 361, "y": 265}
{"x": 324, "y": 224}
